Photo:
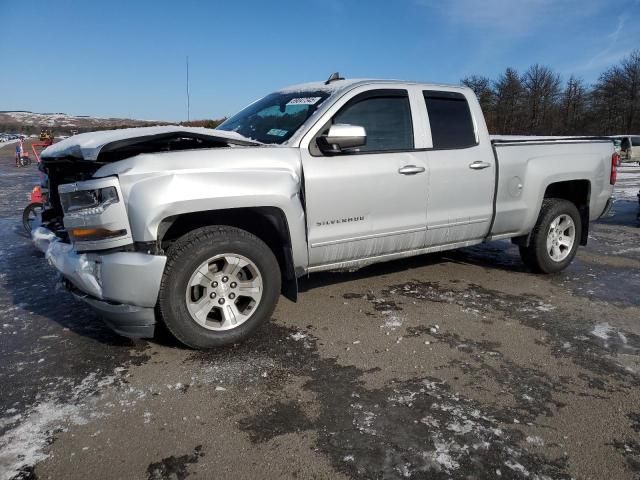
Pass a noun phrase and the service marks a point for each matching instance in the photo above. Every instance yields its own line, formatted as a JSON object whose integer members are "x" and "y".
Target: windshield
{"x": 276, "y": 117}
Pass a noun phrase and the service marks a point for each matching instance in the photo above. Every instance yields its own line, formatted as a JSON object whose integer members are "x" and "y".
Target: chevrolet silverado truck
{"x": 204, "y": 229}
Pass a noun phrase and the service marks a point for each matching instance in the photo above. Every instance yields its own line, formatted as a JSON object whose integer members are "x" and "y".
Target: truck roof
{"x": 348, "y": 84}
{"x": 89, "y": 145}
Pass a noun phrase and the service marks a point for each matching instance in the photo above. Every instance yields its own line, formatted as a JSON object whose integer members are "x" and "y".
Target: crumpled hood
{"x": 228, "y": 160}
{"x": 87, "y": 146}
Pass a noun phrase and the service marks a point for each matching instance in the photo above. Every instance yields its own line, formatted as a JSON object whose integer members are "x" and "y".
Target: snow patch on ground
{"x": 442, "y": 455}
{"x": 535, "y": 440}
{"x": 25, "y": 444}
{"x": 455, "y": 431}
{"x": 627, "y": 193}
{"x": 391, "y": 322}
{"x": 628, "y": 183}
{"x": 544, "y": 307}
{"x": 602, "y": 330}
{"x": 298, "y": 336}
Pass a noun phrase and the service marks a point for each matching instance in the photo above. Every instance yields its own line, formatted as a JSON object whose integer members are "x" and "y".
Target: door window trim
{"x": 418, "y": 117}
{"x": 361, "y": 97}
{"x": 449, "y": 95}
{"x": 307, "y": 140}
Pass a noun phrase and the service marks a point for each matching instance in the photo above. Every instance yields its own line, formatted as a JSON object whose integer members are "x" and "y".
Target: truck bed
{"x": 525, "y": 164}
{"x": 544, "y": 138}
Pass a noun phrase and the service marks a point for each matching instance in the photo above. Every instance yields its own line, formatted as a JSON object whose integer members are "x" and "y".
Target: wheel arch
{"x": 267, "y": 223}
{"x": 576, "y": 191}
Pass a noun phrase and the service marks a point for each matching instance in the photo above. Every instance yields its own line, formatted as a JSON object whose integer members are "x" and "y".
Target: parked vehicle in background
{"x": 204, "y": 229}
{"x": 628, "y": 146}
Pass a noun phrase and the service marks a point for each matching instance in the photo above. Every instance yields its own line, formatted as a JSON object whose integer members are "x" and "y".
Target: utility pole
{"x": 188, "y": 100}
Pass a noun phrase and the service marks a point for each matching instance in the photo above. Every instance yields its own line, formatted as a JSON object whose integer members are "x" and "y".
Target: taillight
{"x": 615, "y": 159}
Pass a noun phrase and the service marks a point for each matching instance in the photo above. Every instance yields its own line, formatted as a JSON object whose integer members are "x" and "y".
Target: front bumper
{"x": 122, "y": 286}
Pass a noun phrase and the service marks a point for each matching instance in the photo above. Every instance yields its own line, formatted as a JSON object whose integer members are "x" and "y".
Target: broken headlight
{"x": 88, "y": 202}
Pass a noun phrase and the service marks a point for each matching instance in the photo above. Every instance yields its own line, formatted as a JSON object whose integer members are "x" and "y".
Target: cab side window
{"x": 450, "y": 119}
{"x": 386, "y": 117}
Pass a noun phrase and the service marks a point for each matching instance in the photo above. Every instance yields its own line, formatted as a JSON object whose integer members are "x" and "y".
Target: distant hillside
{"x": 63, "y": 124}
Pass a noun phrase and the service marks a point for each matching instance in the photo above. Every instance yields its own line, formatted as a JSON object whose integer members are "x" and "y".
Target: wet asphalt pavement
{"x": 458, "y": 365}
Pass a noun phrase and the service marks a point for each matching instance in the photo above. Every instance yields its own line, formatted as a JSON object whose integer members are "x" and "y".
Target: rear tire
{"x": 247, "y": 281}
{"x": 555, "y": 237}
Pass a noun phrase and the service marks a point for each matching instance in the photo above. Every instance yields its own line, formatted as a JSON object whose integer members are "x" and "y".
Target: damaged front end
{"x": 85, "y": 232}
{"x": 95, "y": 254}
{"x": 121, "y": 286}
{"x": 79, "y": 157}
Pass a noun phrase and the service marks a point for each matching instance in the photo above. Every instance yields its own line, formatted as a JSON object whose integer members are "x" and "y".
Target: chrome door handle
{"x": 410, "y": 170}
{"x": 478, "y": 165}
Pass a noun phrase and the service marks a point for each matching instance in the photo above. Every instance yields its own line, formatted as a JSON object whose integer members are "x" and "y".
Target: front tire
{"x": 219, "y": 285}
{"x": 555, "y": 237}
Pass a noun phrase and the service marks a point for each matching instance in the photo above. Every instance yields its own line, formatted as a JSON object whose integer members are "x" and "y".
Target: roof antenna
{"x": 333, "y": 78}
{"x": 188, "y": 98}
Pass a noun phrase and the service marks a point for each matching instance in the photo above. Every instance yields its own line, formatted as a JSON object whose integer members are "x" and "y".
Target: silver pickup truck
{"x": 204, "y": 229}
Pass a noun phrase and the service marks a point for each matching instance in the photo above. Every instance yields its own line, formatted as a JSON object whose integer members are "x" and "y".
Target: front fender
{"x": 150, "y": 200}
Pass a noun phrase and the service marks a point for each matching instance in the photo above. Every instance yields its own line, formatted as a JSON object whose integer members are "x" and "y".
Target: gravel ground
{"x": 459, "y": 365}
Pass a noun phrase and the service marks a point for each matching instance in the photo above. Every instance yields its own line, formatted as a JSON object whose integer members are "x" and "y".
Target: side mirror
{"x": 341, "y": 137}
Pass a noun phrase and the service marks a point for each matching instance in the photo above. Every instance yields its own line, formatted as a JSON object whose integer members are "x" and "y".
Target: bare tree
{"x": 630, "y": 72}
{"x": 609, "y": 103}
{"x": 483, "y": 88}
{"x": 509, "y": 103}
{"x": 573, "y": 107}
{"x": 542, "y": 91}
{"x": 536, "y": 103}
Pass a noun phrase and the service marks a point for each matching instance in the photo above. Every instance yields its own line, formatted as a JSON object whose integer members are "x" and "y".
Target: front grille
{"x": 59, "y": 171}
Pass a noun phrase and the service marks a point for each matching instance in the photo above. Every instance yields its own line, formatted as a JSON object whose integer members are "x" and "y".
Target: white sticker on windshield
{"x": 304, "y": 101}
{"x": 276, "y": 132}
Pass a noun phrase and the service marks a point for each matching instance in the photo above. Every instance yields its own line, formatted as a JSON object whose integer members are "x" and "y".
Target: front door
{"x": 370, "y": 201}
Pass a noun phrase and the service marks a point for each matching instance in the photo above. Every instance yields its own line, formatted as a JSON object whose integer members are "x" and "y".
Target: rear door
{"x": 368, "y": 201}
{"x": 461, "y": 171}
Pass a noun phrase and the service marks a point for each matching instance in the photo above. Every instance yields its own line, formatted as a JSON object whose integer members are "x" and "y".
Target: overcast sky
{"x": 127, "y": 58}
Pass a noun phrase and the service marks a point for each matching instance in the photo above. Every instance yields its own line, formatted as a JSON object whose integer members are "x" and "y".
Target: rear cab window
{"x": 450, "y": 119}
